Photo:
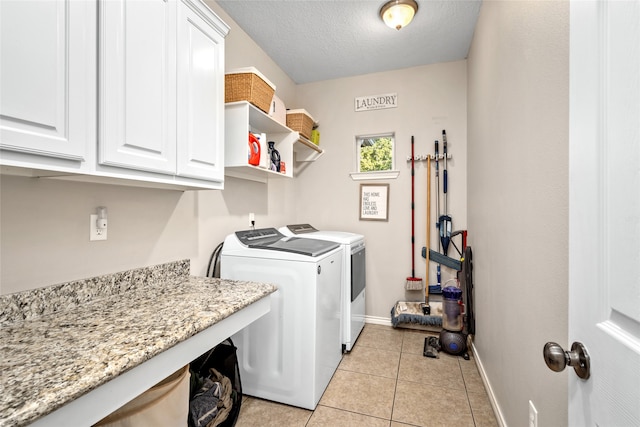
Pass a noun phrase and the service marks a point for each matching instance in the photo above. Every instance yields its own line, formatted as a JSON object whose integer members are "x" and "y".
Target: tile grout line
{"x": 395, "y": 389}
{"x": 466, "y": 393}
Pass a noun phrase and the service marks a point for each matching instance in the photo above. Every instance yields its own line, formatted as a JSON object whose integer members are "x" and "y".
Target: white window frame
{"x": 373, "y": 175}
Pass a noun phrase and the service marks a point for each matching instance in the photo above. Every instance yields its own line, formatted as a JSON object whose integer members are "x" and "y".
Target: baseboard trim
{"x": 487, "y": 386}
{"x": 384, "y": 321}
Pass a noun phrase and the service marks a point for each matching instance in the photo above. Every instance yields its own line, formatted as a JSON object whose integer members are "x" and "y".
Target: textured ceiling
{"x": 313, "y": 40}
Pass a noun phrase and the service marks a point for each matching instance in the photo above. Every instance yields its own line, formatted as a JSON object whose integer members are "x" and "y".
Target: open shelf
{"x": 241, "y": 117}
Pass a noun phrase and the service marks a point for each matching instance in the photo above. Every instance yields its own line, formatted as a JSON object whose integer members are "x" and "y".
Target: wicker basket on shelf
{"x": 248, "y": 84}
{"x": 301, "y": 121}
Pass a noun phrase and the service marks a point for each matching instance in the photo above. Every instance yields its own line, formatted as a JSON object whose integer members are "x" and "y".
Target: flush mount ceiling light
{"x": 398, "y": 13}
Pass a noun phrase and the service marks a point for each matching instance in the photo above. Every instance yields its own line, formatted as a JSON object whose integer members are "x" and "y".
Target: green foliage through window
{"x": 376, "y": 153}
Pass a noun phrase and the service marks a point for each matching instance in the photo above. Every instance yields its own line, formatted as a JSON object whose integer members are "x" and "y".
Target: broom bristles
{"x": 413, "y": 284}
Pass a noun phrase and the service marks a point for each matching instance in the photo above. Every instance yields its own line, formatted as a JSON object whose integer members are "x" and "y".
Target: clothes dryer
{"x": 290, "y": 354}
{"x": 353, "y": 276}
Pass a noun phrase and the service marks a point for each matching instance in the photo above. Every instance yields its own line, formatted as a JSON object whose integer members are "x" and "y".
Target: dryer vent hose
{"x": 214, "y": 262}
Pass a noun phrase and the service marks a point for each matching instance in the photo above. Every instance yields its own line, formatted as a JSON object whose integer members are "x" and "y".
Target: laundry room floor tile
{"x": 361, "y": 393}
{"x": 264, "y": 413}
{"x": 482, "y": 410}
{"x": 387, "y": 381}
{"x": 370, "y": 360}
{"x": 385, "y": 338}
{"x": 444, "y": 371}
{"x": 413, "y": 342}
{"x": 424, "y": 405}
{"x": 324, "y": 416}
{"x": 472, "y": 379}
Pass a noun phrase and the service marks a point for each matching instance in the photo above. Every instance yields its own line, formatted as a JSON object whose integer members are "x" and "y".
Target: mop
{"x": 444, "y": 221}
{"x": 438, "y": 273}
{"x": 431, "y": 344}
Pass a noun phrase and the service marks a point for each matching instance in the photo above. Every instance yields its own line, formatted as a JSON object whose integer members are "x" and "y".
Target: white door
{"x": 604, "y": 206}
{"x": 137, "y": 78}
{"x": 200, "y": 127}
{"x": 46, "y": 102}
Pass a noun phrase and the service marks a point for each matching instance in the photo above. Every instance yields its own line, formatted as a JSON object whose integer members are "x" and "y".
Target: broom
{"x": 413, "y": 283}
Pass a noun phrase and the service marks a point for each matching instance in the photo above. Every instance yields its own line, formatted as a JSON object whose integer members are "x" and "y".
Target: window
{"x": 375, "y": 157}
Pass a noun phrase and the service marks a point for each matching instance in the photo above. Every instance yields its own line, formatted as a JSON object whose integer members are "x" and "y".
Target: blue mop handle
{"x": 444, "y": 173}
{"x": 444, "y": 179}
{"x": 436, "y": 157}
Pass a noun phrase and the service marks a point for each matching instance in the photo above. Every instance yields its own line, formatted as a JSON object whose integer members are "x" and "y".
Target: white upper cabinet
{"x": 47, "y": 106}
{"x": 161, "y": 88}
{"x": 200, "y": 113}
{"x": 137, "y": 85}
{"x": 119, "y": 91}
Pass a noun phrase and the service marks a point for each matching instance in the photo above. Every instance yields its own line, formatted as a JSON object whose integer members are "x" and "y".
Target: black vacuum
{"x": 452, "y": 338}
{"x": 458, "y": 321}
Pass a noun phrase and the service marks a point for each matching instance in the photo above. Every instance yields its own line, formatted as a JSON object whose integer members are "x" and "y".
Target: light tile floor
{"x": 386, "y": 381}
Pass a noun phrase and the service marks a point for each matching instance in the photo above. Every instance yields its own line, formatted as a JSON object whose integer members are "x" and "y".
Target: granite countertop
{"x": 60, "y": 343}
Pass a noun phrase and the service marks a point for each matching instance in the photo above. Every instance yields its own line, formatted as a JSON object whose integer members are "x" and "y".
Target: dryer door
{"x": 358, "y": 272}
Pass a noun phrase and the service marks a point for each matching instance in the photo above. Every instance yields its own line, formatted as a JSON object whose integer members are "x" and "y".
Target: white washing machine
{"x": 290, "y": 354}
{"x": 353, "y": 276}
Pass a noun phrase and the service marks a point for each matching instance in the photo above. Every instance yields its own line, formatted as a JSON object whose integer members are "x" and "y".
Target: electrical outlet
{"x": 94, "y": 232}
{"x": 533, "y": 415}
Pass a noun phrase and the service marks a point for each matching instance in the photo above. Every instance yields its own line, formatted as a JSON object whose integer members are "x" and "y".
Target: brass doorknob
{"x": 556, "y": 358}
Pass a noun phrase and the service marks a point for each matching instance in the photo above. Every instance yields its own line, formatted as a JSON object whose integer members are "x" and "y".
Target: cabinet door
{"x": 137, "y": 84}
{"x": 200, "y": 124}
{"x": 47, "y": 64}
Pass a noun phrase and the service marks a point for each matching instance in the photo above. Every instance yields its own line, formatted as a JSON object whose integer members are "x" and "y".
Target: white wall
{"x": 430, "y": 98}
{"x": 242, "y": 51}
{"x": 518, "y": 105}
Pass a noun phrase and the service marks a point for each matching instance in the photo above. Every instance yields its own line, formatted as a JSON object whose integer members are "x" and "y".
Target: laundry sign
{"x": 376, "y": 102}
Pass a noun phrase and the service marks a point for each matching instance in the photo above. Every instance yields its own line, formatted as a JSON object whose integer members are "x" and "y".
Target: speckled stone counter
{"x": 58, "y": 343}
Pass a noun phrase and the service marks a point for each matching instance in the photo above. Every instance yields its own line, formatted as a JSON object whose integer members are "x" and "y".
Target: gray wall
{"x": 430, "y": 98}
{"x": 518, "y": 110}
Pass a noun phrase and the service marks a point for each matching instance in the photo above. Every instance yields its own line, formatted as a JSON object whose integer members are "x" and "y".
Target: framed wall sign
{"x": 376, "y": 102}
{"x": 374, "y": 202}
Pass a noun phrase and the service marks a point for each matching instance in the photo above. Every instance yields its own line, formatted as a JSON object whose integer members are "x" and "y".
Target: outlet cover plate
{"x": 94, "y": 232}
